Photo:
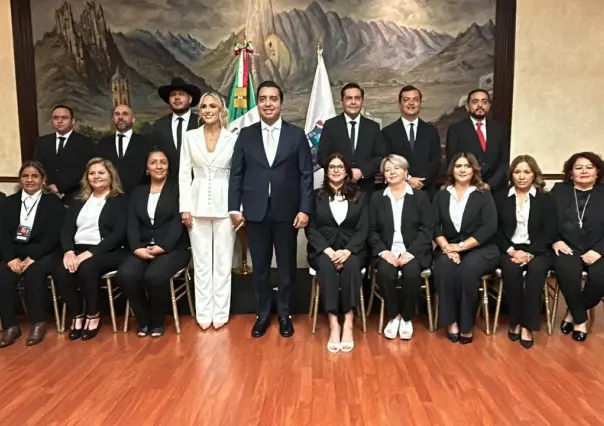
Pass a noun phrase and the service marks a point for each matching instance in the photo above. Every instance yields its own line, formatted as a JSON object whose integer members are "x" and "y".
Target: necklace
{"x": 581, "y": 214}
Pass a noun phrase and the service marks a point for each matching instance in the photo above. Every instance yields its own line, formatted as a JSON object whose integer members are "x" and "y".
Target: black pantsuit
{"x": 324, "y": 232}
{"x": 457, "y": 284}
{"x": 581, "y": 240}
{"x": 523, "y": 293}
{"x": 417, "y": 227}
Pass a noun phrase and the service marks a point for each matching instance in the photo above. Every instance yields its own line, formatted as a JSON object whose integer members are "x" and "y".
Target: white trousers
{"x": 212, "y": 245}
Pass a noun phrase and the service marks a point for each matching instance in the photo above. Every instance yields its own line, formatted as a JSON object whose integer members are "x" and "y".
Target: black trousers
{"x": 457, "y": 285}
{"x": 339, "y": 286}
{"x": 399, "y": 302}
{"x": 568, "y": 273}
{"x": 523, "y": 295}
{"x": 87, "y": 279}
{"x": 146, "y": 284}
{"x": 262, "y": 236}
{"x": 36, "y": 290}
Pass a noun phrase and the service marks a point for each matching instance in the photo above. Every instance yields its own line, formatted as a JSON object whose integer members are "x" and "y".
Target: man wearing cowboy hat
{"x": 168, "y": 131}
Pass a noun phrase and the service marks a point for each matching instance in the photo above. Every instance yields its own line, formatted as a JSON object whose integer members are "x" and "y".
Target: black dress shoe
{"x": 454, "y": 337}
{"x": 9, "y": 336}
{"x": 286, "y": 326}
{"x": 143, "y": 331}
{"x": 36, "y": 334}
{"x": 514, "y": 337}
{"x": 579, "y": 336}
{"x": 75, "y": 333}
{"x": 527, "y": 344}
{"x": 260, "y": 327}
{"x": 88, "y": 334}
{"x": 566, "y": 327}
{"x": 157, "y": 332}
{"x": 465, "y": 340}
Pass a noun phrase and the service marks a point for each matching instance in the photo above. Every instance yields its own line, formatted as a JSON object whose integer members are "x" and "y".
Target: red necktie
{"x": 483, "y": 141}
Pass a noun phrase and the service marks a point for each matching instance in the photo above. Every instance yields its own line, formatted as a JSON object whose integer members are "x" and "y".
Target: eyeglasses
{"x": 334, "y": 167}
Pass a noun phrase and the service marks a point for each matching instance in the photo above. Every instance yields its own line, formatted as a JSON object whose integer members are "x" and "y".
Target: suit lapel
{"x": 471, "y": 129}
{"x": 388, "y": 216}
{"x": 326, "y": 210}
{"x": 282, "y": 146}
{"x": 343, "y": 125}
{"x": 261, "y": 151}
{"x": 468, "y": 212}
{"x": 193, "y": 122}
{"x": 510, "y": 211}
{"x": 142, "y": 205}
{"x": 168, "y": 136}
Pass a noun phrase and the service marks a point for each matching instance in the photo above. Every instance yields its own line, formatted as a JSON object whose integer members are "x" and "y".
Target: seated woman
{"x": 579, "y": 243}
{"x": 336, "y": 234}
{"x": 465, "y": 224}
{"x": 29, "y": 242}
{"x": 159, "y": 246}
{"x": 400, "y": 234}
{"x": 92, "y": 240}
{"x": 526, "y": 232}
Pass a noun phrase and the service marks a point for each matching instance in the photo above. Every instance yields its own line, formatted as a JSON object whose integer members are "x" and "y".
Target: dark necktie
{"x": 179, "y": 133}
{"x": 411, "y": 136}
{"x": 120, "y": 145}
{"x": 352, "y": 134}
{"x": 61, "y": 144}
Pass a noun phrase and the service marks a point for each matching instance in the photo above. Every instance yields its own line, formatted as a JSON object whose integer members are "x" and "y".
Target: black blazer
{"x": 64, "y": 170}
{"x": 462, "y": 137}
{"x": 424, "y": 160}
{"x": 167, "y": 230}
{"x": 290, "y": 176}
{"x": 417, "y": 225}
{"x": 541, "y": 222}
{"x": 112, "y": 225}
{"x": 162, "y": 136}
{"x": 479, "y": 218}
{"x": 44, "y": 237}
{"x": 591, "y": 237}
{"x": 369, "y": 152}
{"x": 323, "y": 231}
{"x": 131, "y": 167}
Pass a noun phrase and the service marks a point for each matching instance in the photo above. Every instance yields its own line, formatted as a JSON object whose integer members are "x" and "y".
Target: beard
{"x": 480, "y": 116}
{"x": 180, "y": 111}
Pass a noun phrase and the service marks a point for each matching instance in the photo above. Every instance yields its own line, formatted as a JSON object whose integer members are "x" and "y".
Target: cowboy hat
{"x": 179, "y": 84}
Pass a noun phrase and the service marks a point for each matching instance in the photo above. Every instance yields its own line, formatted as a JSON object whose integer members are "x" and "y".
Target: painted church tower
{"x": 120, "y": 91}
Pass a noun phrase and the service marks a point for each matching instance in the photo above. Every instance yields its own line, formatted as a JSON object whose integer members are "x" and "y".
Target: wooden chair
{"x": 553, "y": 290}
{"x": 375, "y": 292}
{"x": 314, "y": 301}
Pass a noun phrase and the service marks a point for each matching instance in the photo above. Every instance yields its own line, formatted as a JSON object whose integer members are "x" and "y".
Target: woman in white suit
{"x": 205, "y": 165}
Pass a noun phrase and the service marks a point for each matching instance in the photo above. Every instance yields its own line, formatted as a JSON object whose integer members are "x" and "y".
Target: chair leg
{"x": 111, "y": 305}
{"x": 315, "y": 313}
{"x": 126, "y": 316}
{"x": 548, "y": 313}
{"x": 189, "y": 292}
{"x": 63, "y": 317}
{"x": 435, "y": 311}
{"x": 431, "y": 327}
{"x": 498, "y": 305}
{"x": 382, "y": 314}
{"x": 55, "y": 305}
{"x": 312, "y": 296}
{"x": 363, "y": 313}
{"x": 485, "y": 305}
{"x": 371, "y": 294}
{"x": 556, "y": 300}
{"x": 174, "y": 306}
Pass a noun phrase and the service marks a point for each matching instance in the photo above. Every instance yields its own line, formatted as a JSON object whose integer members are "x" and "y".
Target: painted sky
{"x": 211, "y": 21}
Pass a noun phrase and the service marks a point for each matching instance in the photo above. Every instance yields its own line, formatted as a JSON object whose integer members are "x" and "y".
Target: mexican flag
{"x": 242, "y": 98}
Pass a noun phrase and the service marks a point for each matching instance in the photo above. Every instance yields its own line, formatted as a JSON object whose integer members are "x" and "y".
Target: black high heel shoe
{"x": 514, "y": 337}
{"x": 579, "y": 336}
{"x": 75, "y": 333}
{"x": 466, "y": 340}
{"x": 87, "y": 333}
{"x": 453, "y": 337}
{"x": 566, "y": 327}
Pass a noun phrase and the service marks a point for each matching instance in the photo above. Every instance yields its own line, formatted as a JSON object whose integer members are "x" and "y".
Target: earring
{"x": 147, "y": 173}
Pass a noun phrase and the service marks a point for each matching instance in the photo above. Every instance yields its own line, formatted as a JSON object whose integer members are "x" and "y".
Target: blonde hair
{"x": 115, "y": 187}
{"x": 397, "y": 160}
{"x": 223, "y": 114}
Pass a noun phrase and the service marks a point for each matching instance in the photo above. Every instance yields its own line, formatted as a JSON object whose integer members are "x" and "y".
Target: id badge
{"x": 23, "y": 233}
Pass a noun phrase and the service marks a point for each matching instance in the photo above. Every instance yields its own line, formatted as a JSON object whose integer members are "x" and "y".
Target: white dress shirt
{"x": 523, "y": 210}
{"x": 398, "y": 245}
{"x": 457, "y": 207}
{"x": 483, "y": 128}
{"x": 406, "y": 123}
{"x": 356, "y": 127}
{"x": 152, "y": 206}
{"x": 185, "y": 125}
{"x": 275, "y": 130}
{"x": 339, "y": 208}
{"x": 57, "y": 141}
{"x": 125, "y": 142}
{"x": 87, "y": 223}
{"x": 29, "y": 207}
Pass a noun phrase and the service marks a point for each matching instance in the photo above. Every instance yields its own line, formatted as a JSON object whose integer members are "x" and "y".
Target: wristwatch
{"x": 462, "y": 245}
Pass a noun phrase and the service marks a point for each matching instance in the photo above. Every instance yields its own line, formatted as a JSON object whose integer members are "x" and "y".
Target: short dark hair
{"x": 351, "y": 86}
{"x": 36, "y": 165}
{"x": 408, "y": 88}
{"x": 594, "y": 158}
{"x": 56, "y": 107}
{"x": 478, "y": 91}
{"x": 269, "y": 83}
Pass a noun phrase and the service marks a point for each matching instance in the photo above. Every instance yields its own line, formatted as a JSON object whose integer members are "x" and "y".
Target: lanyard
{"x": 28, "y": 211}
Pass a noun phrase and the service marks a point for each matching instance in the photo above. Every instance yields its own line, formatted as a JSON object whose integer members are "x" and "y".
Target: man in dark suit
{"x": 168, "y": 131}
{"x": 64, "y": 154}
{"x": 271, "y": 178}
{"x": 356, "y": 137}
{"x": 125, "y": 149}
{"x": 416, "y": 140}
{"x": 487, "y": 140}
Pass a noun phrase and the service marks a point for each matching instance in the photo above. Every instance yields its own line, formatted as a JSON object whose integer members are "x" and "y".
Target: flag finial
{"x": 319, "y": 47}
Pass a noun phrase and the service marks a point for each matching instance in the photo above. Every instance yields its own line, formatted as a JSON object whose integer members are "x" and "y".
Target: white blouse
{"x": 339, "y": 208}
{"x": 523, "y": 210}
{"x": 152, "y": 206}
{"x": 457, "y": 207}
{"x": 398, "y": 245}
{"x": 87, "y": 223}
{"x": 29, "y": 207}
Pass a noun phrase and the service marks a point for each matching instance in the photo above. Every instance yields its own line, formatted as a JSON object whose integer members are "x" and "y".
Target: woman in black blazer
{"x": 465, "y": 224}
{"x": 159, "y": 244}
{"x": 337, "y": 234}
{"x": 579, "y": 244}
{"x": 400, "y": 237}
{"x": 29, "y": 242}
{"x": 527, "y": 227}
{"x": 92, "y": 240}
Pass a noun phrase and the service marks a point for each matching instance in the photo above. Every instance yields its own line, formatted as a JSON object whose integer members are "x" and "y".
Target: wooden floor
{"x": 225, "y": 378}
